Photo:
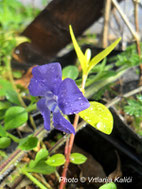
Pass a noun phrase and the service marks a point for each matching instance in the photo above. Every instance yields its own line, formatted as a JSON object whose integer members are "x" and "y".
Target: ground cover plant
{"x": 55, "y": 93}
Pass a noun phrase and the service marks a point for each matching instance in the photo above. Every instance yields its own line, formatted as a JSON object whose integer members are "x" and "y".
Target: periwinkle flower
{"x": 56, "y": 95}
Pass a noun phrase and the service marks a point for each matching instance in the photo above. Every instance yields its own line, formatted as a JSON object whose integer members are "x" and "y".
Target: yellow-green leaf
{"x": 81, "y": 56}
{"x": 21, "y": 39}
{"x": 98, "y": 116}
{"x": 102, "y": 55}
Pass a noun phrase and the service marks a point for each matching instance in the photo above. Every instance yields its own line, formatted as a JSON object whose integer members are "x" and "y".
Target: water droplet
{"x": 17, "y": 51}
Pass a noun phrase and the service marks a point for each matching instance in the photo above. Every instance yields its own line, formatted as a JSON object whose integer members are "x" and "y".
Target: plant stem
{"x": 15, "y": 88}
{"x": 69, "y": 144}
{"x": 118, "y": 98}
{"x": 31, "y": 108}
{"x": 12, "y": 81}
{"x": 33, "y": 179}
{"x": 14, "y": 138}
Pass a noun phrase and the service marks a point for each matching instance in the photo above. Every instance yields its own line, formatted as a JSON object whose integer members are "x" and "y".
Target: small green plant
{"x": 134, "y": 108}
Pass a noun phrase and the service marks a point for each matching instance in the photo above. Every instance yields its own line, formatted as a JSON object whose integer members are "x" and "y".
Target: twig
{"x": 136, "y": 6}
{"x": 125, "y": 19}
{"x": 106, "y": 23}
{"x": 118, "y": 98}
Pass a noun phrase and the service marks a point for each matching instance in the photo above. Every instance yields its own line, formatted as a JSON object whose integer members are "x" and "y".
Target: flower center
{"x": 51, "y": 101}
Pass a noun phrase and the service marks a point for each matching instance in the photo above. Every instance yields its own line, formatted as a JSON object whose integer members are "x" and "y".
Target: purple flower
{"x": 57, "y": 96}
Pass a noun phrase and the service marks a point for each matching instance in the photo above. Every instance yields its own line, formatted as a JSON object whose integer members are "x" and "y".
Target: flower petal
{"x": 48, "y": 77}
{"x": 70, "y": 98}
{"x": 62, "y": 124}
{"x": 37, "y": 87}
{"x": 41, "y": 104}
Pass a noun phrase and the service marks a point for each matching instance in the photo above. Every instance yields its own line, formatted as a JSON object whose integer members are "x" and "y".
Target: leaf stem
{"x": 31, "y": 108}
{"x": 14, "y": 138}
{"x": 12, "y": 81}
{"x": 33, "y": 179}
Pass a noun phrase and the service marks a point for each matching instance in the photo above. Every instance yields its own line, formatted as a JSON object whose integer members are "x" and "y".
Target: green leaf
{"x": 4, "y": 142}
{"x": 42, "y": 168}
{"x": 21, "y": 39}
{"x": 28, "y": 143}
{"x": 70, "y": 72}
{"x": 134, "y": 108}
{"x": 102, "y": 55}
{"x": 139, "y": 97}
{"x": 77, "y": 158}
{"x": 56, "y": 160}
{"x": 2, "y": 132}
{"x": 4, "y": 86}
{"x": 98, "y": 116}
{"x": 110, "y": 185}
{"x": 80, "y": 55}
{"x": 2, "y": 113}
{"x": 41, "y": 155}
{"x": 17, "y": 74}
{"x": 15, "y": 117}
{"x": 12, "y": 96}
{"x": 4, "y": 105}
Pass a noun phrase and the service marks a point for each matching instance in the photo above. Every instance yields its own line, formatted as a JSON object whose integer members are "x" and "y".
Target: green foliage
{"x": 70, "y": 72}
{"x": 12, "y": 96}
{"x": 80, "y": 55}
{"x": 77, "y": 158}
{"x": 39, "y": 165}
{"x": 4, "y": 86}
{"x": 134, "y": 107}
{"x": 4, "y": 142}
{"x": 98, "y": 116}
{"x": 2, "y": 131}
{"x": 110, "y": 185}
{"x": 28, "y": 143}
{"x": 102, "y": 54}
{"x": 56, "y": 160}
{"x": 84, "y": 59}
{"x": 15, "y": 9}
{"x": 4, "y": 105}
{"x": 17, "y": 74}
{"x": 42, "y": 168}
{"x": 40, "y": 156}
{"x": 15, "y": 117}
{"x": 129, "y": 57}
